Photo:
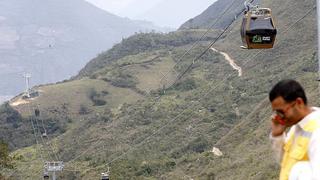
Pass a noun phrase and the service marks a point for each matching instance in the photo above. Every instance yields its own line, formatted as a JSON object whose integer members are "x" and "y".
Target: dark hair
{"x": 289, "y": 89}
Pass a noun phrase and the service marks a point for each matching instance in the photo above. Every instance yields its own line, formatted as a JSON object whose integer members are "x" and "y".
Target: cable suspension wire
{"x": 231, "y": 131}
{"x": 224, "y": 79}
{"x": 183, "y": 111}
{"x": 49, "y": 154}
{"x": 147, "y": 138}
{"x": 37, "y": 144}
{"x": 194, "y": 60}
{"x": 194, "y": 45}
{"x": 201, "y": 38}
{"x": 212, "y": 43}
{"x": 33, "y": 124}
{"x": 179, "y": 77}
{"x": 264, "y": 100}
{"x": 198, "y": 57}
{"x": 208, "y": 92}
{"x": 285, "y": 31}
{"x": 56, "y": 157}
{"x": 35, "y": 133}
{"x": 43, "y": 142}
{"x": 51, "y": 146}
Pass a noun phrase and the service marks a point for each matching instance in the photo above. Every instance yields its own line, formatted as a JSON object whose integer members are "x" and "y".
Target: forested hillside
{"x": 136, "y": 109}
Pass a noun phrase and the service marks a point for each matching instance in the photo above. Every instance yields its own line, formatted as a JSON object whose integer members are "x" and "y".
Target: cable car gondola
{"x": 257, "y": 29}
{"x": 104, "y": 176}
{"x": 45, "y": 175}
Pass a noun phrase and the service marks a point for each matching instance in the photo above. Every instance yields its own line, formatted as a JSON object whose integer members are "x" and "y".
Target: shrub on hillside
{"x": 10, "y": 115}
{"x": 198, "y": 145}
{"x": 83, "y": 110}
{"x": 186, "y": 85}
{"x": 122, "y": 79}
{"x": 5, "y": 159}
{"x": 97, "y": 98}
{"x": 54, "y": 126}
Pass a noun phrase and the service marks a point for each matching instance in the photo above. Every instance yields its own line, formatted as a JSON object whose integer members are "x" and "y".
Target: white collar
{"x": 315, "y": 114}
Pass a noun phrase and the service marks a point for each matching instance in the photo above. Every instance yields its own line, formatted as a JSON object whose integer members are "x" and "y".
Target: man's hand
{"x": 277, "y": 129}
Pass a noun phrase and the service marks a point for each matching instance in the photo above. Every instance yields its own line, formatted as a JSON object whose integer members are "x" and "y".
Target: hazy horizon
{"x": 55, "y": 40}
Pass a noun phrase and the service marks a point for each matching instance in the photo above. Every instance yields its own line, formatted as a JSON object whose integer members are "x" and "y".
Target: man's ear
{"x": 299, "y": 101}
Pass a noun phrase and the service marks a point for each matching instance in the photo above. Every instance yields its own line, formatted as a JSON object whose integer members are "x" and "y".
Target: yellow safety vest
{"x": 298, "y": 151}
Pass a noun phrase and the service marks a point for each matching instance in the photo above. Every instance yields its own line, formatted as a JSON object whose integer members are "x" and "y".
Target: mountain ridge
{"x": 168, "y": 132}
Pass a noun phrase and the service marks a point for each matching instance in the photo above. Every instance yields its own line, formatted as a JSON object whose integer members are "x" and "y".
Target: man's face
{"x": 285, "y": 110}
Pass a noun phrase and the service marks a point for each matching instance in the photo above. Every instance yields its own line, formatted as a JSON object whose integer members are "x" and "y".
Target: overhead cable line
{"x": 35, "y": 133}
{"x": 198, "y": 57}
{"x": 147, "y": 138}
{"x": 48, "y": 140}
{"x": 285, "y": 31}
{"x": 208, "y": 92}
{"x": 179, "y": 77}
{"x": 231, "y": 131}
{"x": 211, "y": 44}
{"x": 179, "y": 60}
{"x": 201, "y": 38}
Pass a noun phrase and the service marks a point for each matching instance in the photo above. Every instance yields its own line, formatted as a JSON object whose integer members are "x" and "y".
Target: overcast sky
{"x": 167, "y": 13}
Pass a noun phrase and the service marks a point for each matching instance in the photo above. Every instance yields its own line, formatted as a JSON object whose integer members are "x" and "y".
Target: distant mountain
{"x": 53, "y": 39}
{"x": 122, "y": 111}
{"x": 212, "y": 14}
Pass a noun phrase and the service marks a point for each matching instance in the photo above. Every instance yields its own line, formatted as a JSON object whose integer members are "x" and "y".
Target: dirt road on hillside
{"x": 230, "y": 60}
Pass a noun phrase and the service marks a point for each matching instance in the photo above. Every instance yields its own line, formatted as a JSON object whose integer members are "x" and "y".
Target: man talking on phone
{"x": 295, "y": 132}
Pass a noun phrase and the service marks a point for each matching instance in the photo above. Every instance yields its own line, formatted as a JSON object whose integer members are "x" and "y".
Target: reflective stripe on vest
{"x": 297, "y": 151}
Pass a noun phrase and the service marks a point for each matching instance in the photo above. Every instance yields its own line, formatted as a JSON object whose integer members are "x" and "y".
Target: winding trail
{"x": 230, "y": 60}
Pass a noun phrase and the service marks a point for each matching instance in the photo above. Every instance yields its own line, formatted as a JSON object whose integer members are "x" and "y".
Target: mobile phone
{"x": 279, "y": 119}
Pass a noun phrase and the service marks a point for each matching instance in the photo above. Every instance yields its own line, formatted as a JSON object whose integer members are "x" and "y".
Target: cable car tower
{"x": 27, "y": 77}
{"x": 52, "y": 167}
{"x": 29, "y": 93}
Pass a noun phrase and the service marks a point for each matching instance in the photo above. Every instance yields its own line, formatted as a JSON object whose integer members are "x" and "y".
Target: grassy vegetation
{"x": 5, "y": 159}
{"x": 143, "y": 42}
{"x": 107, "y": 116}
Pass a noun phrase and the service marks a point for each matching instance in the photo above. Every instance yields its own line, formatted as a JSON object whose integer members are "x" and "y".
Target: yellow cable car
{"x": 257, "y": 29}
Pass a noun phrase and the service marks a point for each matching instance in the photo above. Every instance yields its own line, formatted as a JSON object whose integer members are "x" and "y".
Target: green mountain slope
{"x": 121, "y": 113}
